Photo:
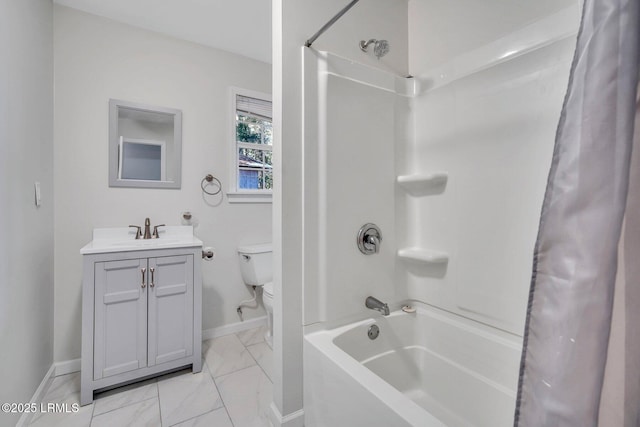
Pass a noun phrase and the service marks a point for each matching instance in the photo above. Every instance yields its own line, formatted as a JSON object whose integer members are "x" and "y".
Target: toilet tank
{"x": 256, "y": 264}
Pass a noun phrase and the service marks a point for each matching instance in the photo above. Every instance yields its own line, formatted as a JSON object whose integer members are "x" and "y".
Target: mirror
{"x": 145, "y": 145}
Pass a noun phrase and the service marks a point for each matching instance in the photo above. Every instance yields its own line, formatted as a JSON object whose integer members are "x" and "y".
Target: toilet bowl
{"x": 267, "y": 300}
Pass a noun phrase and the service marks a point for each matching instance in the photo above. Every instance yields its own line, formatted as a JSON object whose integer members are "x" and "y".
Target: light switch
{"x": 37, "y": 193}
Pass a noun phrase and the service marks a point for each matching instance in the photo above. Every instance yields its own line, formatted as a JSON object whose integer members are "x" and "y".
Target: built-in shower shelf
{"x": 423, "y": 184}
{"x": 424, "y": 256}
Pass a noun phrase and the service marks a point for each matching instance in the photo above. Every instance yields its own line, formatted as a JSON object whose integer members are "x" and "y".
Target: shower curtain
{"x": 581, "y": 355}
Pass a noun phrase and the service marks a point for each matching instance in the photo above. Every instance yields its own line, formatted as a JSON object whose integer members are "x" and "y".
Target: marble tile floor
{"x": 234, "y": 389}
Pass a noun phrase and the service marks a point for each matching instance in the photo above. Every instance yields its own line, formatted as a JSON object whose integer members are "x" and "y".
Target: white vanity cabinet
{"x": 141, "y": 312}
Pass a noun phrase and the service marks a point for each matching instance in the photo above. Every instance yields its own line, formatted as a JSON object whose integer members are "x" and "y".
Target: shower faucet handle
{"x": 369, "y": 239}
{"x": 372, "y": 240}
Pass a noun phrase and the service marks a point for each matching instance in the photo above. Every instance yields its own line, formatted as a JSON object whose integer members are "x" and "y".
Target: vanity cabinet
{"x": 141, "y": 315}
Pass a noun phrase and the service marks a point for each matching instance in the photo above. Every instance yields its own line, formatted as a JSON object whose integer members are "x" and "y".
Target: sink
{"x": 123, "y": 239}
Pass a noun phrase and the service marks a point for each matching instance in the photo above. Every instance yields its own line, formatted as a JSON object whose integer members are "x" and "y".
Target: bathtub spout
{"x": 376, "y": 304}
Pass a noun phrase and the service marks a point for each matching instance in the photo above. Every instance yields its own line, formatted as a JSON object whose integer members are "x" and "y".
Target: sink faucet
{"x": 376, "y": 304}
{"x": 147, "y": 228}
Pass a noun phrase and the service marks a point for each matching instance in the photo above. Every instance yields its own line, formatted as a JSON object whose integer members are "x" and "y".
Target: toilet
{"x": 256, "y": 267}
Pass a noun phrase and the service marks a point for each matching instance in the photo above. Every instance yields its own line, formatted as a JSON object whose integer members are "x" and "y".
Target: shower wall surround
{"x": 451, "y": 164}
{"x": 352, "y": 113}
{"x": 488, "y": 118}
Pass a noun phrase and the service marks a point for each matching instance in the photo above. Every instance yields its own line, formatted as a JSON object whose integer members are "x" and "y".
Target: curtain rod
{"x": 332, "y": 21}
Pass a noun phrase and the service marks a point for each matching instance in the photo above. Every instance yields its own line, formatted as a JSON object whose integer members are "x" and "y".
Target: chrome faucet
{"x": 369, "y": 239}
{"x": 373, "y": 241}
{"x": 376, "y": 304}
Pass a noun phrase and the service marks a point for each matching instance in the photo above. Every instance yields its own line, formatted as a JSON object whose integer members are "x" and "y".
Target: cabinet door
{"x": 170, "y": 308}
{"x": 120, "y": 322}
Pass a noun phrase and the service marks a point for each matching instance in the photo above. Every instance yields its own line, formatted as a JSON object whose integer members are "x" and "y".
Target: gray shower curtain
{"x": 581, "y": 357}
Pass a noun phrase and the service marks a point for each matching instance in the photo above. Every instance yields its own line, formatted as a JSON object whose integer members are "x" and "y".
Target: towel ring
{"x": 210, "y": 179}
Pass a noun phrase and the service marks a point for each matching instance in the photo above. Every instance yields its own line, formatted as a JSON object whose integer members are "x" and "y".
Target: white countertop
{"x": 123, "y": 239}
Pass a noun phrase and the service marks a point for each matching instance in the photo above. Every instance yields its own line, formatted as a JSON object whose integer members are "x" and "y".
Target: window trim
{"x": 234, "y": 194}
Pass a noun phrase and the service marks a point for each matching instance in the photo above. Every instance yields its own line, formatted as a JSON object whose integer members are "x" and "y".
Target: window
{"x": 253, "y": 137}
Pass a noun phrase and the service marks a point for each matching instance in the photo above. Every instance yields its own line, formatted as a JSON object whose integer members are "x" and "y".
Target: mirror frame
{"x": 114, "y": 138}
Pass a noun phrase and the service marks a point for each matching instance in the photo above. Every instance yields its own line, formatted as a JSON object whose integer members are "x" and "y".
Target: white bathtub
{"x": 429, "y": 368}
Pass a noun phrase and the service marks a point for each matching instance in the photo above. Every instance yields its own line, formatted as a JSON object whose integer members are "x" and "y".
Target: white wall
{"x": 294, "y": 22}
{"x": 443, "y": 29}
{"x": 26, "y": 231}
{"x": 488, "y": 118}
{"x": 97, "y": 59}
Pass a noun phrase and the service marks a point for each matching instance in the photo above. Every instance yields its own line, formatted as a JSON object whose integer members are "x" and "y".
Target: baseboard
{"x": 25, "y": 418}
{"x": 67, "y": 367}
{"x": 295, "y": 419}
{"x": 232, "y": 328}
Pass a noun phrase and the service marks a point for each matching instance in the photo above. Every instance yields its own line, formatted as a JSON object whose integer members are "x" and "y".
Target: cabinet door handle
{"x": 152, "y": 279}
{"x": 143, "y": 271}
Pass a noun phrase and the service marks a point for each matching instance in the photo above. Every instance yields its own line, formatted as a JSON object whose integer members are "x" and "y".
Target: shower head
{"x": 380, "y": 47}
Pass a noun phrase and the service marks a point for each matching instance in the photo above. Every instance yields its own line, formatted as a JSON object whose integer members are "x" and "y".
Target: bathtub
{"x": 428, "y": 368}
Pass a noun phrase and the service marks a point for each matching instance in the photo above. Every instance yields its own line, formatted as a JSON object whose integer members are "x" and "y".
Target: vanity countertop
{"x": 121, "y": 239}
